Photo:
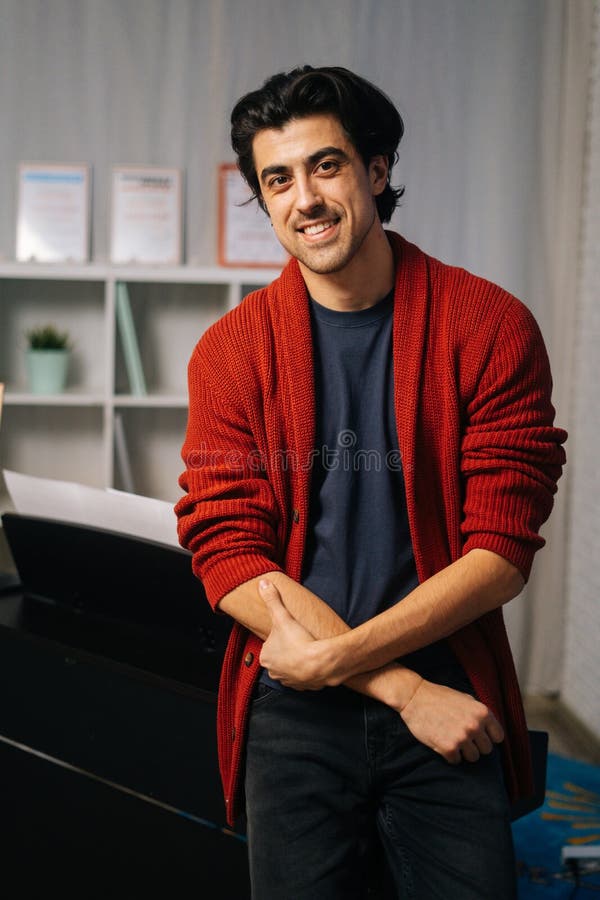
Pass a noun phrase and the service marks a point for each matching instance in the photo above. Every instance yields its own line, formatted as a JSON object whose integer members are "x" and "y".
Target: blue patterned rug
{"x": 570, "y": 816}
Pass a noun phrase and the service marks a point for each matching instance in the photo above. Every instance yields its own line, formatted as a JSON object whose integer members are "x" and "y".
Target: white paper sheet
{"x": 146, "y": 215}
{"x": 53, "y": 213}
{"x": 245, "y": 234}
{"x": 113, "y": 510}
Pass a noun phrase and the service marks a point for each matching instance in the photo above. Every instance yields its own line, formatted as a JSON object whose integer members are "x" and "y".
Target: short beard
{"x": 331, "y": 266}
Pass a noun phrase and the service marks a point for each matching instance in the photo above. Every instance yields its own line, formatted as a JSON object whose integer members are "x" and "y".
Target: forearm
{"x": 459, "y": 594}
{"x": 390, "y": 683}
{"x": 246, "y": 606}
{"x": 451, "y": 722}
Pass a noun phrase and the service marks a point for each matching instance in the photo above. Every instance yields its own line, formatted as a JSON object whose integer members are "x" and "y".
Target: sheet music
{"x": 114, "y": 510}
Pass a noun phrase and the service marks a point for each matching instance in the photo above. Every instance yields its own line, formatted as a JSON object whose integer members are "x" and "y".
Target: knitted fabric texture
{"x": 480, "y": 454}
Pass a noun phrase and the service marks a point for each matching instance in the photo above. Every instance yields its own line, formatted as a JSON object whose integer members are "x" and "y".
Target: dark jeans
{"x": 343, "y": 803}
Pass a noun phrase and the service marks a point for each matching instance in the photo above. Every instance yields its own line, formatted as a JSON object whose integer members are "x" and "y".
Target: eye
{"x": 328, "y": 167}
{"x": 278, "y": 182}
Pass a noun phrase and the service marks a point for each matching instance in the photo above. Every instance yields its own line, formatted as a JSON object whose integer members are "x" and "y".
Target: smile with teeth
{"x": 317, "y": 229}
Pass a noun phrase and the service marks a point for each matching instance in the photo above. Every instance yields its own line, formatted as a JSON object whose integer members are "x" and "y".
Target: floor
{"x": 567, "y": 735}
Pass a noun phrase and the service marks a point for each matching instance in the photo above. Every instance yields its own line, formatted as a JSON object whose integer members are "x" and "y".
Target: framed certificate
{"x": 53, "y": 216}
{"x": 245, "y": 234}
{"x": 146, "y": 215}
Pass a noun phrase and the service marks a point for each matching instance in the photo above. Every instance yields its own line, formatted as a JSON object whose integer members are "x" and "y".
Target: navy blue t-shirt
{"x": 359, "y": 554}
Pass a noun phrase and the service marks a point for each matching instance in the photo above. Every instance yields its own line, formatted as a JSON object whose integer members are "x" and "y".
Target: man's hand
{"x": 288, "y": 653}
{"x": 452, "y": 723}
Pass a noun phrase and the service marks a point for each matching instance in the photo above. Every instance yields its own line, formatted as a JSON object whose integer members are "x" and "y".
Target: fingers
{"x": 268, "y": 590}
{"x": 466, "y": 751}
{"x": 482, "y": 742}
{"x": 470, "y": 752}
{"x": 454, "y": 724}
{"x": 453, "y": 757}
{"x": 494, "y": 729}
{"x": 271, "y": 597}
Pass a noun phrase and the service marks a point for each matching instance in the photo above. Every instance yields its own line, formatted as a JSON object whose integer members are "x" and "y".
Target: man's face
{"x": 320, "y": 196}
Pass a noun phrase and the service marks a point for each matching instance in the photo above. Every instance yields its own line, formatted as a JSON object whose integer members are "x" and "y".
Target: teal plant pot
{"x": 47, "y": 371}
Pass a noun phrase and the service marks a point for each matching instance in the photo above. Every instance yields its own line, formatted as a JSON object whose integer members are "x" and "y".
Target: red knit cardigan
{"x": 480, "y": 456}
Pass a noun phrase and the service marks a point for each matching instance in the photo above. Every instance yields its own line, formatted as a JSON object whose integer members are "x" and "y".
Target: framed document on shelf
{"x": 245, "y": 235}
{"x": 146, "y": 220}
{"x": 53, "y": 215}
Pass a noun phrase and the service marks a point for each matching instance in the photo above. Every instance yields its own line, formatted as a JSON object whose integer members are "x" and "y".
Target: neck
{"x": 367, "y": 278}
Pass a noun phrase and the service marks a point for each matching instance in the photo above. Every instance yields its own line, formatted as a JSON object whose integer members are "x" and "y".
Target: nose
{"x": 307, "y": 195}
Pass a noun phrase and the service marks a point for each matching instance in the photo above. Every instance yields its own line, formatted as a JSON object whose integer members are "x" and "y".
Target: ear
{"x": 378, "y": 174}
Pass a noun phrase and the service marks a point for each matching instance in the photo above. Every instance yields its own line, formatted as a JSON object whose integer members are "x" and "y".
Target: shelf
{"x": 152, "y": 401}
{"x": 54, "y": 271}
{"x": 16, "y": 398}
{"x": 97, "y": 432}
{"x": 155, "y": 274}
{"x": 192, "y": 274}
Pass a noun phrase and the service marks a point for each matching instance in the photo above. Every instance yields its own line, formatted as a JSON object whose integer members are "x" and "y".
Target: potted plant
{"x": 47, "y": 359}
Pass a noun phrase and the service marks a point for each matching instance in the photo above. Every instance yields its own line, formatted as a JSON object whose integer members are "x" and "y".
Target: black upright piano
{"x": 109, "y": 665}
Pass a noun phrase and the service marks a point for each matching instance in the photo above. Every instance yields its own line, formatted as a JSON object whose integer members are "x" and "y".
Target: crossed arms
{"x": 307, "y": 646}
{"x": 229, "y": 519}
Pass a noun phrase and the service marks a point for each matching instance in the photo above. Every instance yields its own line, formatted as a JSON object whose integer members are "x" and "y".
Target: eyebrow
{"x": 311, "y": 160}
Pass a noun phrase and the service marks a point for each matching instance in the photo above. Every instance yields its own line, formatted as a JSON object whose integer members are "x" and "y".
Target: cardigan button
{"x": 249, "y": 659}
{"x": 295, "y": 516}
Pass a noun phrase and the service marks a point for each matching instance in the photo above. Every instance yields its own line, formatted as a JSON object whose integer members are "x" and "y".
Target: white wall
{"x": 117, "y": 81}
{"x": 581, "y": 681}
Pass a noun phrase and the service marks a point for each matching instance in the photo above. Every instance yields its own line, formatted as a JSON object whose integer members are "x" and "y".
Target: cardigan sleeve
{"x": 511, "y": 453}
{"x": 228, "y": 515}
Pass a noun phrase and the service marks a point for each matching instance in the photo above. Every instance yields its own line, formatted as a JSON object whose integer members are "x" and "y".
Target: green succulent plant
{"x": 47, "y": 337}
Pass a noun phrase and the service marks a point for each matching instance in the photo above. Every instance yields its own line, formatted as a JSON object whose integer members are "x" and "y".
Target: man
{"x": 370, "y": 453}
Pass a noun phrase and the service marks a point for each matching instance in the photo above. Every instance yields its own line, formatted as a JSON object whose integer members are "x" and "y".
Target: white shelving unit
{"x": 71, "y": 435}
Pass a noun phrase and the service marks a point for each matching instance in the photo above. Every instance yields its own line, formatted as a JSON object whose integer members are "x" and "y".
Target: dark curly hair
{"x": 367, "y": 115}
